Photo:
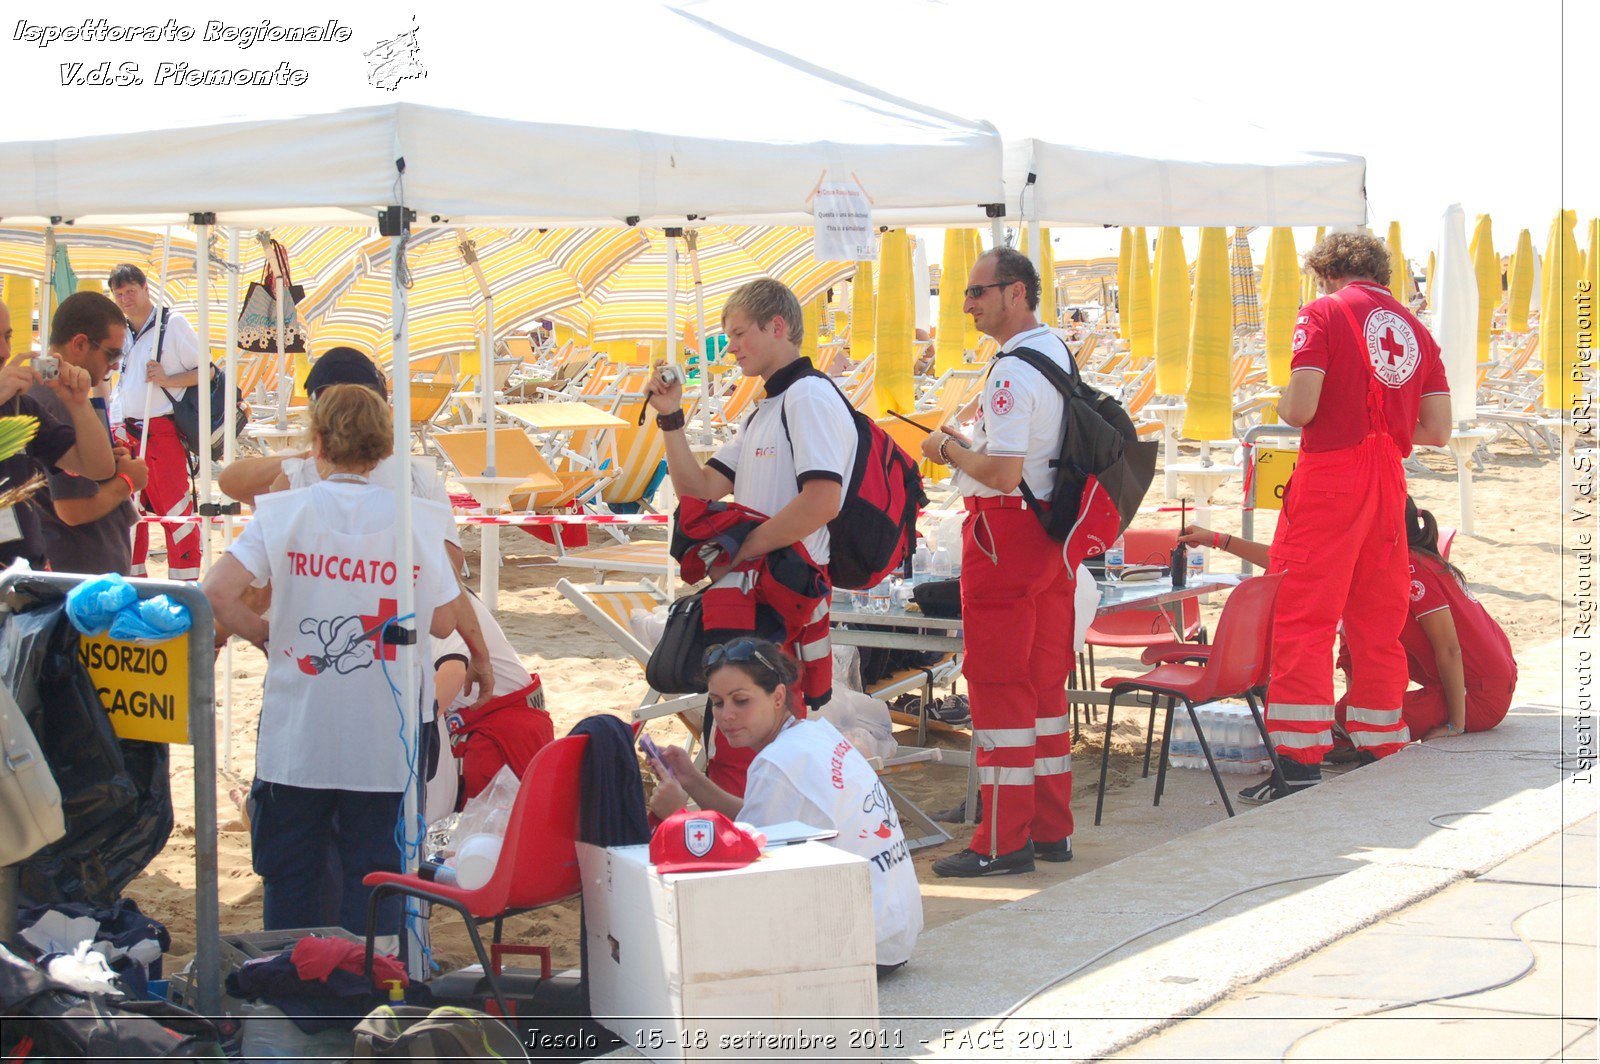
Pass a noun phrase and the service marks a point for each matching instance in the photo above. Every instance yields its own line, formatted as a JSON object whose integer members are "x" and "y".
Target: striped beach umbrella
{"x": 1209, "y": 391}
{"x": 1280, "y": 296}
{"x": 1139, "y": 301}
{"x": 1520, "y": 291}
{"x": 529, "y": 273}
{"x": 630, "y": 303}
{"x": 1172, "y": 311}
{"x": 1486, "y": 268}
{"x": 948, "y": 348}
{"x": 1242, "y": 282}
{"x": 863, "y": 314}
{"x": 895, "y": 388}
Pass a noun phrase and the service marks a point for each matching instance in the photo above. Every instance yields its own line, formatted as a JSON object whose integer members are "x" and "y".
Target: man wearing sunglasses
{"x": 86, "y": 521}
{"x": 1016, "y": 591}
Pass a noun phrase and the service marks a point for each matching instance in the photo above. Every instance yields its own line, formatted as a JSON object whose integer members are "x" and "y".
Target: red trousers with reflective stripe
{"x": 1424, "y": 709}
{"x": 167, "y": 494}
{"x": 1341, "y": 546}
{"x": 1016, "y": 613}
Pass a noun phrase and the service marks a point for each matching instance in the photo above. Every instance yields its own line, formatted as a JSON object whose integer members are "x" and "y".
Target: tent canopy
{"x": 728, "y": 130}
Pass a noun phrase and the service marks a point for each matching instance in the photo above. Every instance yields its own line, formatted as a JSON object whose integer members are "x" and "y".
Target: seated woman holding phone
{"x": 805, "y": 771}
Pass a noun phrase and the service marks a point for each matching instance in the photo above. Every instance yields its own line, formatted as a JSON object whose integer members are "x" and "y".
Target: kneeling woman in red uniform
{"x": 1455, "y": 652}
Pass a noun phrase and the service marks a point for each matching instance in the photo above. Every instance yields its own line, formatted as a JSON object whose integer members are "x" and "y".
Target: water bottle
{"x": 880, "y": 597}
{"x": 1254, "y": 747}
{"x": 1233, "y": 734}
{"x": 1181, "y": 752}
{"x": 1115, "y": 562}
{"x": 1197, "y": 564}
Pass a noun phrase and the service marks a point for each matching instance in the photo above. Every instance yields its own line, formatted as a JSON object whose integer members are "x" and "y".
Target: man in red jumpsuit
{"x": 1366, "y": 384}
{"x": 1016, "y": 590}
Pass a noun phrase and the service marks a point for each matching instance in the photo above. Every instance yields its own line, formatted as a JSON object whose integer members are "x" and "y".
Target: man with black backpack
{"x": 160, "y": 358}
{"x": 792, "y": 457}
{"x": 1016, "y": 589}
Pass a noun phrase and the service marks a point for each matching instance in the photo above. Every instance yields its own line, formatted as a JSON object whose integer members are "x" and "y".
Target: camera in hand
{"x": 671, "y": 375}
{"x": 49, "y": 367}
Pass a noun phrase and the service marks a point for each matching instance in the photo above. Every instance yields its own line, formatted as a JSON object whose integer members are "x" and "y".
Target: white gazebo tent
{"x": 668, "y": 156}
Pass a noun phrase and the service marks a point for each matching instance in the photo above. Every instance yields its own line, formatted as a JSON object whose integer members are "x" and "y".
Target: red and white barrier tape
{"x": 464, "y": 519}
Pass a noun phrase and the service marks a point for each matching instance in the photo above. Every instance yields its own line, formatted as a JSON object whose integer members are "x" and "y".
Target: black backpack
{"x": 1100, "y": 443}
{"x": 876, "y": 528}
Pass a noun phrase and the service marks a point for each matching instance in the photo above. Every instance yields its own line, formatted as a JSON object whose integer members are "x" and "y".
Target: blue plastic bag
{"x": 95, "y": 603}
{"x": 153, "y": 619}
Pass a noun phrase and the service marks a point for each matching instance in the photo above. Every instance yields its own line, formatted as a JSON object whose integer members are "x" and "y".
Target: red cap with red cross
{"x": 701, "y": 841}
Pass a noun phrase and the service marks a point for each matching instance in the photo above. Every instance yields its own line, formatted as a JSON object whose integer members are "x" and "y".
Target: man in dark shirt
{"x": 78, "y": 445}
{"x": 87, "y": 523}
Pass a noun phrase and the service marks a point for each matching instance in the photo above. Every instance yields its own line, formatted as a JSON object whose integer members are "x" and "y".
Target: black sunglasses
{"x": 735, "y": 652}
{"x": 975, "y": 291}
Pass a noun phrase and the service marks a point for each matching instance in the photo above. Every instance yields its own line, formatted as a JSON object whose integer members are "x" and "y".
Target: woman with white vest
{"x": 331, "y": 763}
{"x": 803, "y": 770}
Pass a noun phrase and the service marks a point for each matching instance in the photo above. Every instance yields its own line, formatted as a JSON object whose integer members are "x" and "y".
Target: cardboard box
{"x": 776, "y": 959}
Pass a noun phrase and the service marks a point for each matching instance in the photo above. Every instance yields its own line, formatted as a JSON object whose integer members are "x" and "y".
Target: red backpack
{"x": 876, "y": 529}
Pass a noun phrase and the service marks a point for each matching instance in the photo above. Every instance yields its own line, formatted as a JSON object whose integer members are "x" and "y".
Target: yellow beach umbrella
{"x": 1397, "y": 263}
{"x": 895, "y": 388}
{"x": 1048, "y": 312}
{"x": 1591, "y": 271}
{"x": 1172, "y": 311}
{"x": 1558, "y": 314}
{"x": 1486, "y": 268}
{"x": 1124, "y": 261}
{"x": 811, "y": 321}
{"x": 1520, "y": 291}
{"x": 20, "y": 298}
{"x": 863, "y": 314}
{"x": 1209, "y": 392}
{"x": 1428, "y": 278}
{"x": 1140, "y": 301}
{"x": 1242, "y": 281}
{"x": 1280, "y": 291}
{"x": 949, "y": 348}
{"x": 973, "y": 339}
{"x": 530, "y": 274}
{"x": 1308, "y": 280}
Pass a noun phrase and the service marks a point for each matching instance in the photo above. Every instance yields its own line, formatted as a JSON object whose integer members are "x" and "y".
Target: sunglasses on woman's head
{"x": 735, "y": 652}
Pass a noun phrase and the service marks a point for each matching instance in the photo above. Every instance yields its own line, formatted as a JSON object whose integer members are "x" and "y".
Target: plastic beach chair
{"x": 538, "y": 863}
{"x": 1237, "y": 664}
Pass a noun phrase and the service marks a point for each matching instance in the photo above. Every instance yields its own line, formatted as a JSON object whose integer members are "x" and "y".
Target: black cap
{"x": 345, "y": 365}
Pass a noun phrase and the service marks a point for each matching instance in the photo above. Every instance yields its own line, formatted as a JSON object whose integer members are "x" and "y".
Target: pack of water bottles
{"x": 1230, "y": 731}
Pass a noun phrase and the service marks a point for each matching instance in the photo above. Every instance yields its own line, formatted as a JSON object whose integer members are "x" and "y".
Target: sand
{"x": 1512, "y": 565}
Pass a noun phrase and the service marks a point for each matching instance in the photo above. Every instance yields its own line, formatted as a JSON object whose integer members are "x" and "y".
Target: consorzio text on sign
{"x": 172, "y": 72}
{"x": 143, "y": 687}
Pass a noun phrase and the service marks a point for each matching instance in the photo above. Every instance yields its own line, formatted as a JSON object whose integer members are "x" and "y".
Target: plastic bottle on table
{"x": 880, "y": 597}
{"x": 1197, "y": 564}
{"x": 1115, "y": 560}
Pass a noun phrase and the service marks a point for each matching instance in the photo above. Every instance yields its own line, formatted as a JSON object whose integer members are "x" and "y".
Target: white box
{"x": 776, "y": 959}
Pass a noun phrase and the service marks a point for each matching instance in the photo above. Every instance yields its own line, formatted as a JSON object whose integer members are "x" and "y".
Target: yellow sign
{"x": 1273, "y": 468}
{"x": 144, "y": 687}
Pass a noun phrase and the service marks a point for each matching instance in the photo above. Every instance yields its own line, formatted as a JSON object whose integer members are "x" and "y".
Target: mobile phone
{"x": 653, "y": 752}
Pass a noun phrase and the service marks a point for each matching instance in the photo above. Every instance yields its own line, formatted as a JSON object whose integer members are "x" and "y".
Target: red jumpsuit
{"x": 1340, "y": 541}
{"x": 168, "y": 492}
{"x": 1486, "y": 661}
{"x": 1017, "y": 615}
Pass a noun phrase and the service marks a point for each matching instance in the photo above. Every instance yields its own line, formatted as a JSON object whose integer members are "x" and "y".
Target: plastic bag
{"x": 95, "y": 603}
{"x": 115, "y": 794}
{"x": 480, "y": 828}
{"x": 154, "y": 619}
{"x": 863, "y": 720}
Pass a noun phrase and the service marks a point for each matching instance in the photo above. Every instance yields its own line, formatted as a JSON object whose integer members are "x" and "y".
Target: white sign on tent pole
{"x": 842, "y": 211}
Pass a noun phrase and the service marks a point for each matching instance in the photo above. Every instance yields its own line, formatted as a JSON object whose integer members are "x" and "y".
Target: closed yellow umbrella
{"x": 1124, "y": 261}
{"x": 1209, "y": 395}
{"x": 1047, "y": 281}
{"x": 1558, "y": 315}
{"x": 949, "y": 347}
{"x": 1428, "y": 278}
{"x": 1141, "y": 302}
{"x": 1172, "y": 311}
{"x": 1591, "y": 271}
{"x": 863, "y": 314}
{"x": 811, "y": 321}
{"x": 1308, "y": 280}
{"x": 19, "y": 296}
{"x": 1520, "y": 293}
{"x": 1486, "y": 268}
{"x": 1397, "y": 263}
{"x": 973, "y": 339}
{"x": 895, "y": 389}
{"x": 1280, "y": 291}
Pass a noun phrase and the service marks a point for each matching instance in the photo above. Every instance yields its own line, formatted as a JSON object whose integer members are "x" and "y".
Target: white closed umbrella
{"x": 1455, "y": 326}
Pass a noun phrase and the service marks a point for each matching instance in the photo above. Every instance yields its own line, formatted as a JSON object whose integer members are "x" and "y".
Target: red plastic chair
{"x": 1447, "y": 539}
{"x": 538, "y": 863}
{"x": 1238, "y": 663}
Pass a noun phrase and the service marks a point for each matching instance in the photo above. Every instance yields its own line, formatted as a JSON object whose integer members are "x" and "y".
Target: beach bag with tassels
{"x": 258, "y": 318}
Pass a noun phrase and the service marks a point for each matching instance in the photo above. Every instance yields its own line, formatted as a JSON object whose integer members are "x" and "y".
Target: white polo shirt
{"x": 768, "y": 466}
{"x": 1022, "y": 414}
{"x": 180, "y": 353}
